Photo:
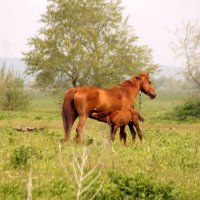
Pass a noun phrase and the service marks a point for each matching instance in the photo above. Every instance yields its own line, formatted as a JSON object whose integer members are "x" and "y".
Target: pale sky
{"x": 153, "y": 21}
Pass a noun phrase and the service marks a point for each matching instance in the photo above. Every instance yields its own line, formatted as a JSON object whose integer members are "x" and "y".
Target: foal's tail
{"x": 141, "y": 118}
{"x": 69, "y": 113}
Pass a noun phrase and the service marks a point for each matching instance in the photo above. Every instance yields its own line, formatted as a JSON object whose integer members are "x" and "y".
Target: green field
{"x": 166, "y": 166}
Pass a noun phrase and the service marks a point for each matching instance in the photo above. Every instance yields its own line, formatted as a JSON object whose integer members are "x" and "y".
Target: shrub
{"x": 13, "y": 96}
{"x": 21, "y": 156}
{"x": 189, "y": 109}
{"x": 139, "y": 186}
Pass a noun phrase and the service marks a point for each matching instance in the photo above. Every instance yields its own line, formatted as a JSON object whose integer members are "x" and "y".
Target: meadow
{"x": 37, "y": 164}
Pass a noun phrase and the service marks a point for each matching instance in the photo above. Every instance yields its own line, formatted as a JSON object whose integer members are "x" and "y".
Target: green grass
{"x": 169, "y": 156}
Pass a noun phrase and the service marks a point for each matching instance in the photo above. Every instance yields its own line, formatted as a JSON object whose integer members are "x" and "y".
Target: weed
{"x": 138, "y": 186}
{"x": 8, "y": 190}
{"x": 21, "y": 156}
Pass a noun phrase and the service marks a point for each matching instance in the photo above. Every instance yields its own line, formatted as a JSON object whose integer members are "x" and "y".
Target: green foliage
{"x": 56, "y": 189}
{"x": 139, "y": 186}
{"x": 10, "y": 190}
{"x": 13, "y": 96}
{"x": 188, "y": 110}
{"x": 21, "y": 156}
{"x": 85, "y": 42}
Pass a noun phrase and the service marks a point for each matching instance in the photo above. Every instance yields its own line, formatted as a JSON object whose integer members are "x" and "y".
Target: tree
{"x": 85, "y": 42}
{"x": 187, "y": 47}
{"x": 13, "y": 96}
{"x": 169, "y": 83}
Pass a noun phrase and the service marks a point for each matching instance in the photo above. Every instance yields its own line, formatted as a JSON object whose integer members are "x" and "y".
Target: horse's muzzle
{"x": 152, "y": 96}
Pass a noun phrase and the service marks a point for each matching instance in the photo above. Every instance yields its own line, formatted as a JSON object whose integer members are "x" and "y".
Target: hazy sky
{"x": 153, "y": 22}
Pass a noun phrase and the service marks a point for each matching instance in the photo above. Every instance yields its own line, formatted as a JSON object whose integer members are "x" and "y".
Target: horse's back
{"x": 89, "y": 93}
{"x": 100, "y": 99}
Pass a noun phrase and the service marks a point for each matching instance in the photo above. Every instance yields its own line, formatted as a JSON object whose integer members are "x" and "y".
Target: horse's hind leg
{"x": 79, "y": 128}
{"x": 122, "y": 134}
{"x": 81, "y": 107}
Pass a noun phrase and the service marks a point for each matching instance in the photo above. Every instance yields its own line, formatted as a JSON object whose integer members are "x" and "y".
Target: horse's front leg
{"x": 80, "y": 127}
{"x": 122, "y": 134}
{"x": 132, "y": 130}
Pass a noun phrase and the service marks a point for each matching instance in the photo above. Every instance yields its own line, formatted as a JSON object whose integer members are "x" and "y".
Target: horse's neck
{"x": 132, "y": 86}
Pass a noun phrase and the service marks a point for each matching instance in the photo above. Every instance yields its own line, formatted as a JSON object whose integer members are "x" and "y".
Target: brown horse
{"x": 82, "y": 101}
{"x": 121, "y": 118}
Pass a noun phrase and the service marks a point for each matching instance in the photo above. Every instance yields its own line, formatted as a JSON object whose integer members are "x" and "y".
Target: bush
{"x": 190, "y": 109}
{"x": 21, "y": 156}
{"x": 139, "y": 186}
{"x": 13, "y": 96}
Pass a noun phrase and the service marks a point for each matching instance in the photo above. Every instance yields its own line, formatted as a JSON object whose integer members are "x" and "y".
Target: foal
{"x": 120, "y": 118}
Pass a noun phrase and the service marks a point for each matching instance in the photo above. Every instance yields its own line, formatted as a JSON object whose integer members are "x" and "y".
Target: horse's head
{"x": 146, "y": 86}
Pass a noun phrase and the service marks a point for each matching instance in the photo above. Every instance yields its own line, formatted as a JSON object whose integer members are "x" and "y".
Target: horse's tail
{"x": 69, "y": 113}
{"x": 141, "y": 118}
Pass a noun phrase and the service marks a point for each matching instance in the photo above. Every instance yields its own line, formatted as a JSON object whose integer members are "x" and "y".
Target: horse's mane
{"x": 125, "y": 86}
{"x": 132, "y": 82}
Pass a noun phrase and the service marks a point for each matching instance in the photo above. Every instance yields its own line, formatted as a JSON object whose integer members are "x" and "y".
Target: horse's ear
{"x": 138, "y": 77}
{"x": 143, "y": 75}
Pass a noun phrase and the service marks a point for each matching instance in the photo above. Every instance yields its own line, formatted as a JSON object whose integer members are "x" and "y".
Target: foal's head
{"x": 146, "y": 86}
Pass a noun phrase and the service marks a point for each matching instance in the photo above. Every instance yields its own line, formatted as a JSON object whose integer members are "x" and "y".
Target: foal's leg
{"x": 122, "y": 134}
{"x": 132, "y": 130}
{"x": 79, "y": 128}
{"x": 113, "y": 130}
{"x": 137, "y": 126}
